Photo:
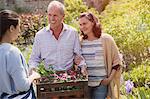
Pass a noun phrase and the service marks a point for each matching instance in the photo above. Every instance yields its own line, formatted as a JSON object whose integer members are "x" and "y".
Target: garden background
{"x": 128, "y": 21}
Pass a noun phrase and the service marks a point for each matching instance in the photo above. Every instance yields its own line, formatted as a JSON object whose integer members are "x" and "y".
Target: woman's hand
{"x": 31, "y": 70}
{"x": 34, "y": 76}
{"x": 77, "y": 59}
{"x": 84, "y": 71}
{"x": 105, "y": 81}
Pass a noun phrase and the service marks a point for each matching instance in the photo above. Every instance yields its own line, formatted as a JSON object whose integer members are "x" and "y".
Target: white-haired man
{"x": 56, "y": 44}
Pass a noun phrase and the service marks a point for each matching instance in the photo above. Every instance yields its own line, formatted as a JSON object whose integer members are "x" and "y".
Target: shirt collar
{"x": 64, "y": 27}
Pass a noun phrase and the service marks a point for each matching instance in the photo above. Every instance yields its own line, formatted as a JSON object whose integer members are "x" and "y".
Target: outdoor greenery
{"x": 128, "y": 21}
{"x": 141, "y": 77}
{"x": 137, "y": 82}
{"x": 73, "y": 10}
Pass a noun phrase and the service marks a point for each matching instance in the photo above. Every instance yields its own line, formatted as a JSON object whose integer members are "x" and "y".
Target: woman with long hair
{"x": 102, "y": 58}
{"x": 15, "y": 80}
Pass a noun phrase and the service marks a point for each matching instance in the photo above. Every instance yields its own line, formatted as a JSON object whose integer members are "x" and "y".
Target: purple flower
{"x": 129, "y": 86}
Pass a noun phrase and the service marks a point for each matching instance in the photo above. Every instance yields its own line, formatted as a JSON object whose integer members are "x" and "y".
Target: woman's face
{"x": 15, "y": 32}
{"x": 86, "y": 25}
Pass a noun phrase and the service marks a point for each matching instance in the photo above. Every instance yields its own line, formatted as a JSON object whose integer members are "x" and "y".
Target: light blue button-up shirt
{"x": 13, "y": 70}
{"x": 57, "y": 53}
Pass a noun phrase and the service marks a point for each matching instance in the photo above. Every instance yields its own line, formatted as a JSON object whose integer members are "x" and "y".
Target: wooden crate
{"x": 67, "y": 90}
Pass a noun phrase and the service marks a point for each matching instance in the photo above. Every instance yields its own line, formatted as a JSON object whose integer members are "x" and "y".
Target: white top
{"x": 93, "y": 52}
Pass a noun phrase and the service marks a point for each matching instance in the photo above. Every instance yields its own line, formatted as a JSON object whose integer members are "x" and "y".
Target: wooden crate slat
{"x": 66, "y": 93}
{"x": 47, "y": 90}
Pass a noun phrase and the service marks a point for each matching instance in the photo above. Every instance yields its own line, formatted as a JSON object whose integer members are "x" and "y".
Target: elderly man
{"x": 58, "y": 43}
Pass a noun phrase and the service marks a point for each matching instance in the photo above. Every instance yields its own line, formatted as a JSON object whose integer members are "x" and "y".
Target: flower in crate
{"x": 129, "y": 85}
{"x": 52, "y": 76}
{"x": 63, "y": 76}
{"x": 72, "y": 74}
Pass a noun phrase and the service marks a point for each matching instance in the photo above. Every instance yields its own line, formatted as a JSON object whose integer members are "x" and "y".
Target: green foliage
{"x": 142, "y": 93}
{"x": 43, "y": 71}
{"x": 30, "y": 25}
{"x": 73, "y": 9}
{"x": 26, "y": 52}
{"x": 139, "y": 75}
{"x": 137, "y": 93}
{"x": 128, "y": 21}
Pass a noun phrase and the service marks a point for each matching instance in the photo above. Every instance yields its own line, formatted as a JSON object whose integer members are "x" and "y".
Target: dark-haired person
{"x": 102, "y": 58}
{"x": 14, "y": 80}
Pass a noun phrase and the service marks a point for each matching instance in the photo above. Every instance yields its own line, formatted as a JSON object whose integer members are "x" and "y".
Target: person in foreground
{"x": 56, "y": 44}
{"x": 15, "y": 82}
{"x": 102, "y": 58}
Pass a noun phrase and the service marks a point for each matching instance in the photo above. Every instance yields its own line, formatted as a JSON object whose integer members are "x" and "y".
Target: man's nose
{"x": 81, "y": 26}
{"x": 52, "y": 17}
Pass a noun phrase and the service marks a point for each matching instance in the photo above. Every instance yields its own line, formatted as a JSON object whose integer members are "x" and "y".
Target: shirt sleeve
{"x": 77, "y": 50}
{"x": 17, "y": 71}
{"x": 35, "y": 55}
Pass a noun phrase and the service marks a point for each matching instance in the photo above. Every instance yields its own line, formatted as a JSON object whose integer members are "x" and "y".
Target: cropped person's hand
{"x": 34, "y": 76}
{"x": 31, "y": 70}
